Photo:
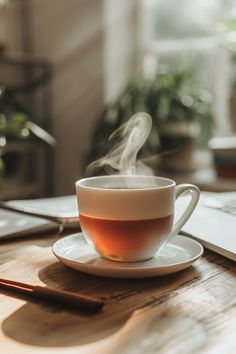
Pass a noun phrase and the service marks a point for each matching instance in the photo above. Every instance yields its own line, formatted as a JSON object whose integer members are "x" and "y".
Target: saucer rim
{"x": 184, "y": 264}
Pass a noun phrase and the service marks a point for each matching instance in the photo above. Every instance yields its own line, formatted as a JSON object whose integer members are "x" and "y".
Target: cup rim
{"x": 79, "y": 183}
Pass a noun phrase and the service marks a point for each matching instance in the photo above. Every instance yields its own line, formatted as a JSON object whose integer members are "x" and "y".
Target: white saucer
{"x": 77, "y": 253}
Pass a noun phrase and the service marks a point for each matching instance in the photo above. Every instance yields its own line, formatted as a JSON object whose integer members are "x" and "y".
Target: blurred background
{"x": 74, "y": 70}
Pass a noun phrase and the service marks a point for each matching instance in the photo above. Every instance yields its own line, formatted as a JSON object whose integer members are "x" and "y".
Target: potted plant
{"x": 180, "y": 112}
{"x": 17, "y": 125}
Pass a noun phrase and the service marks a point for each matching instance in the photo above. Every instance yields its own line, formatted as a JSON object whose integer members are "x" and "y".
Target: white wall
{"x": 120, "y": 45}
{"x": 13, "y": 26}
{"x": 69, "y": 35}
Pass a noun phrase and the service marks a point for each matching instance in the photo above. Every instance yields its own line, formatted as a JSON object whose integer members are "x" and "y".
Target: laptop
{"x": 213, "y": 222}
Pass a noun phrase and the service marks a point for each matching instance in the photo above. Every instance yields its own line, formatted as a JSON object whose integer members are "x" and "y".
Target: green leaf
{"x": 40, "y": 133}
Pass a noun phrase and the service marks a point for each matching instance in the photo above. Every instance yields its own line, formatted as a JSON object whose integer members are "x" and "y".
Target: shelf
{"x": 26, "y": 79}
{"x": 25, "y": 170}
{"x": 22, "y": 59}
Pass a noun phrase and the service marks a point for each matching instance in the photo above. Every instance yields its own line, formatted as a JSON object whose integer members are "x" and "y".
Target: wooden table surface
{"x": 193, "y": 311}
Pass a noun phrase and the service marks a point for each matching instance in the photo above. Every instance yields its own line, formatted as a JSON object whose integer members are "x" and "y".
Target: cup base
{"x": 112, "y": 257}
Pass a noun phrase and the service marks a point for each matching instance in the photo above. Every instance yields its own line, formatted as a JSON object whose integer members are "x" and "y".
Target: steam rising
{"x": 126, "y": 142}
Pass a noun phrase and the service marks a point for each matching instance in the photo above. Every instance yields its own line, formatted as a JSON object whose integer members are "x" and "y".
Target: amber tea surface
{"x": 112, "y": 237}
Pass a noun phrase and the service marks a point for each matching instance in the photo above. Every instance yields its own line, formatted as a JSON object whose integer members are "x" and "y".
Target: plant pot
{"x": 224, "y": 156}
{"x": 178, "y": 144}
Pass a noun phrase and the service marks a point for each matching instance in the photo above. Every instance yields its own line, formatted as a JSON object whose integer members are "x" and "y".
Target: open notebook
{"x": 44, "y": 214}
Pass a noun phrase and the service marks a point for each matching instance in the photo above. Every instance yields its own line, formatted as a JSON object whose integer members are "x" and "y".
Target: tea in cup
{"x": 130, "y": 218}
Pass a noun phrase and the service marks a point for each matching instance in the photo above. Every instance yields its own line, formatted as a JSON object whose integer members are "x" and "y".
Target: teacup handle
{"x": 195, "y": 194}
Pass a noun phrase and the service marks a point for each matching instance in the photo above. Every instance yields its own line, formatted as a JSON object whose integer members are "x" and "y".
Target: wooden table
{"x": 193, "y": 311}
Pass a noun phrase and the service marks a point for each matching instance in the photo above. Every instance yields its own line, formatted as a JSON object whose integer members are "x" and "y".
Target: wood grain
{"x": 193, "y": 311}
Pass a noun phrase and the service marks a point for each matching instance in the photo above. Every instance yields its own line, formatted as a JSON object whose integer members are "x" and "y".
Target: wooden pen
{"x": 61, "y": 297}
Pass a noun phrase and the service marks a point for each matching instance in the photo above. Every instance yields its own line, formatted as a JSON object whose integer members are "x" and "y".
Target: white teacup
{"x": 130, "y": 218}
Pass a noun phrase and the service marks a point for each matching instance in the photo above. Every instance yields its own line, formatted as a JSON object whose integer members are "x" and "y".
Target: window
{"x": 194, "y": 34}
